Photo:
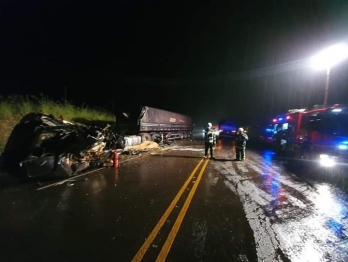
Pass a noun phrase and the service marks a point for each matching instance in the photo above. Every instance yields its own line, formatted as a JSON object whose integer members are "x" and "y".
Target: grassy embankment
{"x": 13, "y": 108}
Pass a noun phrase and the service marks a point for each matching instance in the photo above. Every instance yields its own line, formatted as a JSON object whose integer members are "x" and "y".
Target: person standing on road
{"x": 241, "y": 141}
{"x": 209, "y": 140}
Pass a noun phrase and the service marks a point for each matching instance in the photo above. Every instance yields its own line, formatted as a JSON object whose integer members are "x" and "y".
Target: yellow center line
{"x": 140, "y": 254}
{"x": 170, "y": 239}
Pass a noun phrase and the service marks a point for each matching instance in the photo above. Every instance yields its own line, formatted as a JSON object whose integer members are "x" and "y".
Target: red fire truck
{"x": 319, "y": 134}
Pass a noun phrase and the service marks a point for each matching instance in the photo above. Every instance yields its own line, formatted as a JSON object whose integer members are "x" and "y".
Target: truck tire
{"x": 156, "y": 138}
{"x": 145, "y": 137}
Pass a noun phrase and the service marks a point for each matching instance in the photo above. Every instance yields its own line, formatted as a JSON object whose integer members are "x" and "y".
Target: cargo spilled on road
{"x": 43, "y": 146}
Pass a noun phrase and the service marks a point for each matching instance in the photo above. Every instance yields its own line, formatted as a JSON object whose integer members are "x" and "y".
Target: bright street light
{"x": 328, "y": 58}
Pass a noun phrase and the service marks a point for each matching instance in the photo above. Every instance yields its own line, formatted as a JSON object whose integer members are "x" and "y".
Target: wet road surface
{"x": 173, "y": 205}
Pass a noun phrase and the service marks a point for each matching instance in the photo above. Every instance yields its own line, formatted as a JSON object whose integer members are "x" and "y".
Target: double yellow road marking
{"x": 170, "y": 239}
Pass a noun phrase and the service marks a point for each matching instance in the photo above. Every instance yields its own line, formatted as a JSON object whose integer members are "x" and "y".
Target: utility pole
{"x": 327, "y": 85}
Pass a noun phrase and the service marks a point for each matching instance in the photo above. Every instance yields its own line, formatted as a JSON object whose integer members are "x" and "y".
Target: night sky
{"x": 245, "y": 60}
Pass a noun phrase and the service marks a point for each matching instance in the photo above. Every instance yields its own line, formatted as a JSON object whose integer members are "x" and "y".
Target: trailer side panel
{"x": 159, "y": 120}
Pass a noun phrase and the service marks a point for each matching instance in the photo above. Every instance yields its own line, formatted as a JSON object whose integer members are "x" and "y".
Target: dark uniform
{"x": 209, "y": 140}
{"x": 241, "y": 140}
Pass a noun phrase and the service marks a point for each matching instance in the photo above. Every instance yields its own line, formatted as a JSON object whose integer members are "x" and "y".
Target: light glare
{"x": 330, "y": 56}
{"x": 326, "y": 160}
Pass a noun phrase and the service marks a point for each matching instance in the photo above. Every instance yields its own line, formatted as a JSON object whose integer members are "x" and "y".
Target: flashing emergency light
{"x": 281, "y": 118}
{"x": 343, "y": 145}
{"x": 337, "y": 110}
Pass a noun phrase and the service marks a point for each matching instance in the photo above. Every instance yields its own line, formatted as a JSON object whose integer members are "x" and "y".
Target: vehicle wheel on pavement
{"x": 145, "y": 137}
{"x": 156, "y": 138}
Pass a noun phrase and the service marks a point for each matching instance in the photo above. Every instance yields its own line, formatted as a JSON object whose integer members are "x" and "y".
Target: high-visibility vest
{"x": 209, "y": 135}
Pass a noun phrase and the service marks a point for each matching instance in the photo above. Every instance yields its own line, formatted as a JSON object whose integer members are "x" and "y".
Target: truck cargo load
{"x": 153, "y": 124}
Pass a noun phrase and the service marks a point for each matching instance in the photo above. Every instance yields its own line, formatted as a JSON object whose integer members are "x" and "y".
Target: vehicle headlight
{"x": 343, "y": 147}
{"x": 326, "y": 160}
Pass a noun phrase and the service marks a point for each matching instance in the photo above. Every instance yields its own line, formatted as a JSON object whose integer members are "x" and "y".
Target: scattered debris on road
{"x": 43, "y": 146}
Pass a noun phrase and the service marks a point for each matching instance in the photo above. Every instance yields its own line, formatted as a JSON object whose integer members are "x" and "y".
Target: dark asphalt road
{"x": 173, "y": 205}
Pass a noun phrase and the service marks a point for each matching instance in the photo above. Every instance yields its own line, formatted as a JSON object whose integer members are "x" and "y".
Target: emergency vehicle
{"x": 319, "y": 134}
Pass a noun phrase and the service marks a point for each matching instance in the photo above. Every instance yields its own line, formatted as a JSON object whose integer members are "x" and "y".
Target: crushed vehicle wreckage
{"x": 43, "y": 146}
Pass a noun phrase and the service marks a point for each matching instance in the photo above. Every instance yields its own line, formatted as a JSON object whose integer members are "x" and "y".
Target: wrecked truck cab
{"x": 43, "y": 146}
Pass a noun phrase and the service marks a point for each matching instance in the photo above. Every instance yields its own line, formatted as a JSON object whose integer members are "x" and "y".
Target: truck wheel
{"x": 145, "y": 137}
{"x": 156, "y": 138}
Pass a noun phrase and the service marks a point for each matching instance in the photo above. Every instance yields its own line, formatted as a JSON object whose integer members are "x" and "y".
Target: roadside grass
{"x": 14, "y": 107}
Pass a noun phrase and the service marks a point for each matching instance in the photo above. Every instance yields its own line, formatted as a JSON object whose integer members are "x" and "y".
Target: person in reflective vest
{"x": 241, "y": 141}
{"x": 209, "y": 140}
